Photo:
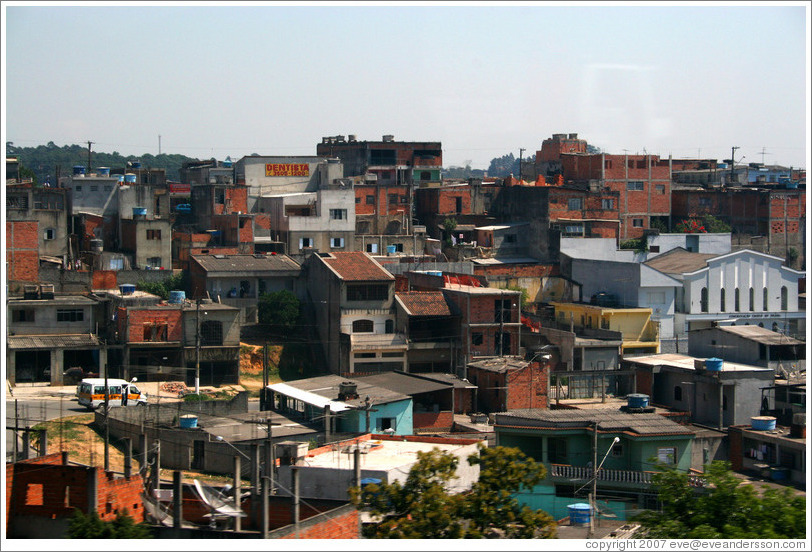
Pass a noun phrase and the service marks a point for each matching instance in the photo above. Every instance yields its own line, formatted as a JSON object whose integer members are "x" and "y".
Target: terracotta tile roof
{"x": 424, "y": 303}
{"x": 356, "y": 266}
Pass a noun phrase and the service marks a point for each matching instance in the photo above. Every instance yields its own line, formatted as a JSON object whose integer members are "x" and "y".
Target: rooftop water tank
{"x": 391, "y": 249}
{"x": 139, "y": 211}
{"x": 713, "y": 364}
{"x": 637, "y": 400}
{"x": 579, "y": 513}
{"x": 129, "y": 178}
{"x": 188, "y": 421}
{"x": 177, "y": 297}
{"x": 97, "y": 245}
{"x": 126, "y": 289}
{"x": 103, "y": 171}
{"x": 78, "y": 169}
{"x": 136, "y": 164}
{"x": 762, "y": 423}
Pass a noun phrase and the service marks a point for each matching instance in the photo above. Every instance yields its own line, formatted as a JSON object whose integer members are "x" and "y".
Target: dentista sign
{"x": 287, "y": 169}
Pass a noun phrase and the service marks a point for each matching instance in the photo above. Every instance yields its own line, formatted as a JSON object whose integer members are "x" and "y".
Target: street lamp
{"x": 197, "y": 348}
{"x": 222, "y": 440}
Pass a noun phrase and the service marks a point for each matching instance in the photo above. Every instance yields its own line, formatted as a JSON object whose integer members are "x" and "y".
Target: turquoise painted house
{"x": 564, "y": 440}
{"x": 349, "y": 410}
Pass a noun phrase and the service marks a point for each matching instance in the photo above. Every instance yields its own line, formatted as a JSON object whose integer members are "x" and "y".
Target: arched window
{"x": 722, "y": 307}
{"x": 736, "y": 299}
{"x": 765, "y": 300}
{"x": 784, "y": 298}
{"x": 703, "y": 300}
{"x": 752, "y": 299}
{"x": 362, "y": 326}
{"x": 677, "y": 393}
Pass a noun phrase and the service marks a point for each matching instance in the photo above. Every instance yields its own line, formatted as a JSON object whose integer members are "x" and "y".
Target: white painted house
{"x": 743, "y": 286}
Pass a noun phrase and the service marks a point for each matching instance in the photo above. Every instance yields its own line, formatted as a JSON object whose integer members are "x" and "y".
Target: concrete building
{"x": 548, "y": 159}
{"x": 327, "y": 472}
{"x": 750, "y": 344}
{"x": 430, "y": 328}
{"x": 717, "y": 398}
{"x": 149, "y": 241}
{"x": 779, "y": 454}
{"x": 48, "y": 207}
{"x": 271, "y": 175}
{"x": 567, "y": 441}
{"x": 239, "y": 280}
{"x": 48, "y": 334}
{"x": 22, "y": 254}
{"x": 352, "y": 296}
{"x": 638, "y": 331}
{"x": 741, "y": 286}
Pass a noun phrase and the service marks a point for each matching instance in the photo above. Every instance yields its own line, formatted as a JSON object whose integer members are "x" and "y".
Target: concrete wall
{"x": 717, "y": 244}
{"x": 103, "y": 200}
{"x": 252, "y": 171}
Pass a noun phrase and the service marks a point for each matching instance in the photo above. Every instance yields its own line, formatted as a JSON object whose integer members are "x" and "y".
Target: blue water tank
{"x": 713, "y": 364}
{"x": 78, "y": 169}
{"x": 579, "y": 513}
{"x": 129, "y": 178}
{"x": 370, "y": 481}
{"x": 391, "y": 249}
{"x": 126, "y": 289}
{"x": 637, "y": 400}
{"x": 184, "y": 208}
{"x": 762, "y": 423}
{"x": 177, "y": 297}
{"x": 188, "y": 421}
{"x": 103, "y": 171}
{"x": 136, "y": 164}
{"x": 139, "y": 211}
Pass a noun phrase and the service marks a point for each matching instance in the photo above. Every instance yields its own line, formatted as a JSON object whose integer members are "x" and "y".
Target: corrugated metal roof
{"x": 73, "y": 341}
{"x": 246, "y": 263}
{"x": 327, "y": 387}
{"x": 499, "y": 364}
{"x": 405, "y": 383}
{"x": 608, "y": 420}
{"x": 309, "y": 398}
{"x": 760, "y": 335}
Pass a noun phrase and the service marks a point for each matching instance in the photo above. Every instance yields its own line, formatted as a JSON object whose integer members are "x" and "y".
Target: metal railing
{"x": 633, "y": 477}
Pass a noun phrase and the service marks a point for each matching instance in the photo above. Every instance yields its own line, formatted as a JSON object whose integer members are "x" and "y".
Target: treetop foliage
{"x": 90, "y": 526}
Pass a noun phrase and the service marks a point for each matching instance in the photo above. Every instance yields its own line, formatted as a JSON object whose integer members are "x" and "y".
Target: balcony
{"x": 564, "y": 472}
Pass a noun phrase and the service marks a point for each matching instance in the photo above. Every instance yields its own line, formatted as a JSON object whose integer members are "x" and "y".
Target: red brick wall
{"x": 644, "y": 382}
{"x": 238, "y": 197}
{"x": 447, "y": 201}
{"x": 518, "y": 271}
{"x": 527, "y": 388}
{"x": 381, "y": 193}
{"x": 44, "y": 487}
{"x": 552, "y": 148}
{"x": 433, "y": 420}
{"x": 136, "y": 318}
{"x": 262, "y": 220}
{"x": 246, "y": 231}
{"x": 22, "y": 251}
{"x": 344, "y": 526}
{"x": 104, "y": 279}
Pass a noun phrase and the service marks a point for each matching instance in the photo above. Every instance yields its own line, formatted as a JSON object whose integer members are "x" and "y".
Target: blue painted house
{"x": 565, "y": 442}
{"x": 355, "y": 406}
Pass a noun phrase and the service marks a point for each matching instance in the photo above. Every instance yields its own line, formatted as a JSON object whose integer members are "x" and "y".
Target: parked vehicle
{"x": 90, "y": 393}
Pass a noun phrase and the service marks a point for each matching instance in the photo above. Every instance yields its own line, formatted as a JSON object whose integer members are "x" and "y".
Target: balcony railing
{"x": 631, "y": 477}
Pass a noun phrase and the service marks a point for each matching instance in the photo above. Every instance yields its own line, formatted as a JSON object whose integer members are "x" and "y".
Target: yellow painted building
{"x": 640, "y": 333}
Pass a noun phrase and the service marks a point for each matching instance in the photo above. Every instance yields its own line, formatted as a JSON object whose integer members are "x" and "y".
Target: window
{"x": 70, "y": 315}
{"x": 372, "y": 248}
{"x": 155, "y": 331}
{"x": 49, "y": 234}
{"x": 637, "y": 223}
{"x": 22, "y": 315}
{"x": 703, "y": 300}
{"x": 386, "y": 423}
{"x": 357, "y": 200}
{"x": 575, "y": 204}
{"x": 211, "y": 333}
{"x": 389, "y": 326}
{"x": 337, "y": 243}
{"x": 94, "y": 188}
{"x": 77, "y": 188}
{"x": 752, "y": 299}
{"x": 305, "y": 242}
{"x": 362, "y": 326}
{"x": 364, "y": 355}
{"x": 338, "y": 214}
{"x": 677, "y": 393}
{"x": 154, "y": 262}
{"x": 571, "y": 230}
{"x": 398, "y": 247}
{"x": 617, "y": 450}
{"x": 704, "y": 202}
{"x": 458, "y": 204}
{"x": 736, "y": 300}
{"x": 659, "y": 188}
{"x": 557, "y": 450}
{"x": 154, "y": 234}
{"x": 722, "y": 305}
{"x": 635, "y": 185}
{"x": 392, "y": 355}
{"x": 367, "y": 292}
{"x": 404, "y": 199}
{"x": 765, "y": 299}
{"x": 784, "y": 298}
{"x": 370, "y": 200}
{"x": 667, "y": 455}
{"x": 393, "y": 199}
{"x": 476, "y": 338}
{"x": 607, "y": 204}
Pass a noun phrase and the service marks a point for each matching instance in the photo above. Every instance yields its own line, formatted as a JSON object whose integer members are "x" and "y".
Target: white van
{"x": 90, "y": 393}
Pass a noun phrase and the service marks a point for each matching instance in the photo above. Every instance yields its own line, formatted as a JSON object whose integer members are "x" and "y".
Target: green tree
{"x": 179, "y": 282}
{"x": 422, "y": 507}
{"x": 715, "y": 225}
{"x": 723, "y": 509}
{"x": 90, "y": 526}
{"x": 280, "y": 310}
{"x": 449, "y": 225}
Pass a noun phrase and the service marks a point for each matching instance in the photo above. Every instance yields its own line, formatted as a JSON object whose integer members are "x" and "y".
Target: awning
{"x": 76, "y": 341}
{"x": 309, "y": 398}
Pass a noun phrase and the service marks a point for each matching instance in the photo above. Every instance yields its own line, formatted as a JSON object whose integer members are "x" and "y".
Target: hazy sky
{"x": 484, "y": 79}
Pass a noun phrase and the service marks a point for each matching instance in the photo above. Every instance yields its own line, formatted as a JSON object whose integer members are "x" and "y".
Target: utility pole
{"x": 594, "y": 493}
{"x": 197, "y": 349}
{"x": 521, "y": 151}
{"x": 159, "y": 144}
{"x": 89, "y": 144}
{"x": 106, "y": 421}
{"x": 732, "y": 161}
